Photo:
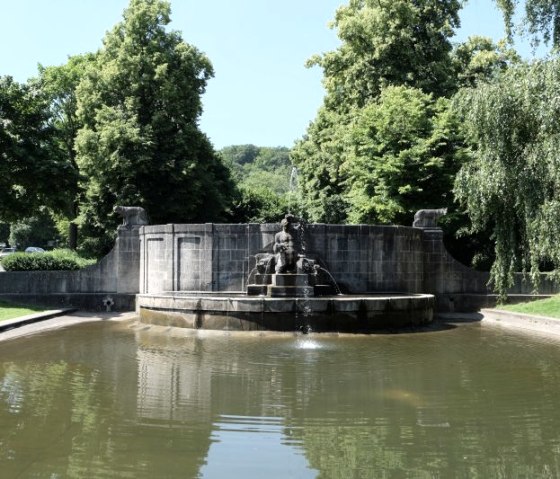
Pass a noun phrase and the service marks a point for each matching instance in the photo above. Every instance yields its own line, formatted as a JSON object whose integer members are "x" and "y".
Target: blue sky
{"x": 261, "y": 93}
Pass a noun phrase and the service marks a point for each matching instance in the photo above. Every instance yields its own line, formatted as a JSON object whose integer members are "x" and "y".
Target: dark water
{"x": 104, "y": 400}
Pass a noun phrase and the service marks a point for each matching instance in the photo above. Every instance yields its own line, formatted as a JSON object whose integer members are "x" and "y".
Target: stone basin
{"x": 238, "y": 312}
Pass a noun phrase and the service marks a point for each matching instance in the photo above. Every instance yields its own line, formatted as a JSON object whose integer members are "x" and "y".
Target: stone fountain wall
{"x": 219, "y": 258}
{"x": 114, "y": 278}
{"x": 362, "y": 258}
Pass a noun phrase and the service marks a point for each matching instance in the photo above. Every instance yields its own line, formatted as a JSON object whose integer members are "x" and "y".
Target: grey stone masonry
{"x": 361, "y": 258}
{"x": 217, "y": 257}
{"x": 117, "y": 274}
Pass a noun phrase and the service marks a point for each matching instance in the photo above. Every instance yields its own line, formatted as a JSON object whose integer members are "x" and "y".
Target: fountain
{"x": 287, "y": 271}
{"x": 282, "y": 278}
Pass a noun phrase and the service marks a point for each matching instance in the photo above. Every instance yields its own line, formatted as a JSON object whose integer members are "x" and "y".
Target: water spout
{"x": 294, "y": 179}
{"x": 333, "y": 281}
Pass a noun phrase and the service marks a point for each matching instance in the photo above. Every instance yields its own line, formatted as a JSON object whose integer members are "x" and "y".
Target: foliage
{"x": 319, "y": 157}
{"x": 35, "y": 230}
{"x": 255, "y": 167}
{"x": 58, "y": 84}
{"x": 240, "y": 154}
{"x": 56, "y": 260}
{"x": 139, "y": 103}
{"x": 263, "y": 176}
{"x": 542, "y": 18}
{"x": 398, "y": 154}
{"x": 27, "y": 170}
{"x": 479, "y": 59}
{"x": 512, "y": 185}
{"x": 259, "y": 205}
{"x": 405, "y": 152}
{"x": 386, "y": 142}
{"x": 389, "y": 42}
{"x": 385, "y": 44}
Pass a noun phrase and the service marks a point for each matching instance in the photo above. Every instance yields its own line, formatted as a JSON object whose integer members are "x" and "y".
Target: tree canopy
{"x": 383, "y": 125}
{"x": 27, "y": 168}
{"x": 58, "y": 85}
{"x": 512, "y": 185}
{"x": 541, "y": 19}
{"x": 262, "y": 175}
{"x": 140, "y": 144}
{"x": 389, "y": 42}
{"x": 404, "y": 154}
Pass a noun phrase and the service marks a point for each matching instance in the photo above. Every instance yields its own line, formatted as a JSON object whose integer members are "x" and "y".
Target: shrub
{"x": 57, "y": 260}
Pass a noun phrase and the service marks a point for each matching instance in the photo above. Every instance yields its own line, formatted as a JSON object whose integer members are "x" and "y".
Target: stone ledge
{"x": 33, "y": 318}
{"x": 523, "y": 321}
{"x": 362, "y": 313}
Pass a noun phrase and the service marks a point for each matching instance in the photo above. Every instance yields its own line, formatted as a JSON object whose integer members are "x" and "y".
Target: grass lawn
{"x": 11, "y": 310}
{"x": 541, "y": 307}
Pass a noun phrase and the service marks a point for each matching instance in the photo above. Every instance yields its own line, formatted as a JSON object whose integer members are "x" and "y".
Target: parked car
{"x": 34, "y": 249}
{"x": 7, "y": 251}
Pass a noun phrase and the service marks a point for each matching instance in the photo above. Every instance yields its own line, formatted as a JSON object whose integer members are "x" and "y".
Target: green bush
{"x": 56, "y": 260}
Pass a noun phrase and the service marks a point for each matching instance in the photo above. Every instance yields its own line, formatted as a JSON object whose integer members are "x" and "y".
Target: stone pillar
{"x": 127, "y": 259}
{"x": 434, "y": 260}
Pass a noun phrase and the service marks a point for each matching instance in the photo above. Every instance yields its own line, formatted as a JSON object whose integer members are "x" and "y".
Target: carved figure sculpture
{"x": 428, "y": 218}
{"x": 285, "y": 248}
{"x": 132, "y": 216}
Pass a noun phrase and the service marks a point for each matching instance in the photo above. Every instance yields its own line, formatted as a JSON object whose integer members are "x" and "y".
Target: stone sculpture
{"x": 428, "y": 218}
{"x": 132, "y": 216}
{"x": 285, "y": 247}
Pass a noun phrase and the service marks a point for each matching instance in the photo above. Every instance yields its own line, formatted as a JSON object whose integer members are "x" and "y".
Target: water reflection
{"x": 104, "y": 400}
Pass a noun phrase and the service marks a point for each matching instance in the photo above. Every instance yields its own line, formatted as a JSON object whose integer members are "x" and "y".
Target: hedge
{"x": 57, "y": 260}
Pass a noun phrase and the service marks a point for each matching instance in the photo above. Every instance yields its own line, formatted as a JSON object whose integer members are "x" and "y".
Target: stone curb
{"x": 33, "y": 318}
{"x": 544, "y": 324}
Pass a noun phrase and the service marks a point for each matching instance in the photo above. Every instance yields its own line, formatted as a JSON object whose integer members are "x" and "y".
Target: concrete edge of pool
{"x": 543, "y": 324}
{"x": 522, "y": 322}
{"x": 238, "y": 312}
{"x": 34, "y": 318}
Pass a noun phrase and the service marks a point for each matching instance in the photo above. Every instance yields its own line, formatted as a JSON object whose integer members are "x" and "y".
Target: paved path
{"x": 49, "y": 320}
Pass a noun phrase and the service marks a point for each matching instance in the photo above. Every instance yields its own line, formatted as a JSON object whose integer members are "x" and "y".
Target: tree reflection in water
{"x": 103, "y": 400}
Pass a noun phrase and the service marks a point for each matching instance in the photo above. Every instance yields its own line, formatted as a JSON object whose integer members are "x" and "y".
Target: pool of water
{"x": 113, "y": 400}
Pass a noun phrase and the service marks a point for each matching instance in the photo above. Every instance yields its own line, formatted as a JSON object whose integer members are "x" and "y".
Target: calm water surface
{"x": 106, "y": 400}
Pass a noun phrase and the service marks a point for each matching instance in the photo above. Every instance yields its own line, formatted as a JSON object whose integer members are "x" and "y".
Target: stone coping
{"x": 65, "y": 319}
{"x": 244, "y": 295}
{"x": 33, "y": 318}
{"x": 243, "y": 303}
{"x": 544, "y": 324}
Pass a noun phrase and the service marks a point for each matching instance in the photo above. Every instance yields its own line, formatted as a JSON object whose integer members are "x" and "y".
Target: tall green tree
{"x": 140, "y": 143}
{"x": 385, "y": 43}
{"x": 389, "y": 42}
{"x": 512, "y": 184}
{"x": 58, "y": 84}
{"x": 27, "y": 167}
{"x": 404, "y": 152}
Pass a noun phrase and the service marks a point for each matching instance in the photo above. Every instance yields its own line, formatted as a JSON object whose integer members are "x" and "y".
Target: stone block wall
{"x": 218, "y": 257}
{"x": 367, "y": 258}
{"x": 117, "y": 274}
{"x": 362, "y": 259}
{"x": 443, "y": 274}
